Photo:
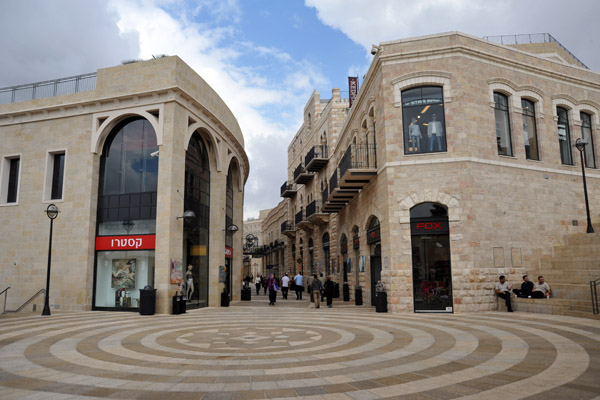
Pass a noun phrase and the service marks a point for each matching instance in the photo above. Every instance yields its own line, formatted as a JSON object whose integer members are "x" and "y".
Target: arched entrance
{"x": 374, "y": 242}
{"x": 432, "y": 278}
{"x": 196, "y": 230}
{"x": 126, "y": 219}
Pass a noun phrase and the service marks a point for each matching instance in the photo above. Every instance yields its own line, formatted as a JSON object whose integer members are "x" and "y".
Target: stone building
{"x": 455, "y": 164}
{"x": 274, "y": 242}
{"x": 146, "y": 165}
{"x": 252, "y": 230}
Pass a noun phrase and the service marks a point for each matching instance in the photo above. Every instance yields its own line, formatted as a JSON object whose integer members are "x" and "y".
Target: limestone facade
{"x": 178, "y": 104}
{"x": 504, "y": 212}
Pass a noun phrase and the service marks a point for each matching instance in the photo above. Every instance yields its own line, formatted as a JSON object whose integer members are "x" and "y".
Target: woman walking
{"x": 329, "y": 291}
{"x": 273, "y": 288}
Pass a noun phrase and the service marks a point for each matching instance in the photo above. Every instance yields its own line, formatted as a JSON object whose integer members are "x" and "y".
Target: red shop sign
{"x": 228, "y": 252}
{"x": 134, "y": 242}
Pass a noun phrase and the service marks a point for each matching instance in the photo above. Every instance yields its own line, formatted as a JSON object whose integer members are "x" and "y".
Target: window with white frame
{"x": 564, "y": 136}
{"x": 10, "y": 179}
{"x": 503, "y": 139}
{"x": 586, "y": 134}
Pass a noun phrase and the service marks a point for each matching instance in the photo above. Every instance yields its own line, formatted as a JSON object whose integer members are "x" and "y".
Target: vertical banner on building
{"x": 352, "y": 88}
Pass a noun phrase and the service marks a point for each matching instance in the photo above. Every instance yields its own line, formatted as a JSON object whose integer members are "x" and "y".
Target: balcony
{"x": 358, "y": 166}
{"x": 302, "y": 222}
{"x": 317, "y": 158}
{"x": 338, "y": 196}
{"x": 288, "y": 190}
{"x": 287, "y": 229}
{"x": 301, "y": 176}
{"x": 315, "y": 214}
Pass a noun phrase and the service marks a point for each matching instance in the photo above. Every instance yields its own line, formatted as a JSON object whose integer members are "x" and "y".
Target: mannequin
{"x": 189, "y": 282}
{"x": 414, "y": 133}
{"x": 434, "y": 133}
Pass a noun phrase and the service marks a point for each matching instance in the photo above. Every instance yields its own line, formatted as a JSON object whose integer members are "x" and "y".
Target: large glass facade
{"x": 423, "y": 120}
{"x": 529, "y": 130}
{"x": 432, "y": 278}
{"x": 503, "y": 139}
{"x": 586, "y": 134}
{"x": 564, "y": 136}
{"x": 196, "y": 231}
{"x": 126, "y": 210}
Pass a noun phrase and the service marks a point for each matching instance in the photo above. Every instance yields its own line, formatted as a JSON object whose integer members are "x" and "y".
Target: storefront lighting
{"x": 231, "y": 229}
{"x": 188, "y": 215}
{"x": 52, "y": 213}
{"x": 580, "y": 145}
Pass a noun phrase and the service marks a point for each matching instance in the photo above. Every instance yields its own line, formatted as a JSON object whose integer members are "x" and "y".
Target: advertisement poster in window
{"x": 223, "y": 273}
{"x": 361, "y": 266}
{"x": 123, "y": 274}
{"x": 176, "y": 271}
{"x": 349, "y": 264}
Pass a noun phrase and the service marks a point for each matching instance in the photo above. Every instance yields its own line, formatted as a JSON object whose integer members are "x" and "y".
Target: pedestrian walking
{"x": 322, "y": 286}
{"x": 258, "y": 283}
{"x": 299, "y": 279}
{"x": 273, "y": 288}
{"x": 265, "y": 284}
{"x": 285, "y": 285}
{"x": 329, "y": 291}
{"x": 316, "y": 286}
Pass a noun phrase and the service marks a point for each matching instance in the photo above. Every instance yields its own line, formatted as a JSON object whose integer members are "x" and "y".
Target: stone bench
{"x": 555, "y": 306}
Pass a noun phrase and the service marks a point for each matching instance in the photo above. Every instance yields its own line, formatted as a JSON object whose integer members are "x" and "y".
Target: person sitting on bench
{"x": 526, "y": 288}
{"x": 503, "y": 290}
{"x": 541, "y": 289}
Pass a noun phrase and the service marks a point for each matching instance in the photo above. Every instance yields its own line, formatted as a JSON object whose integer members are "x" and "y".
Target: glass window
{"x": 564, "y": 136}
{"x": 423, "y": 120}
{"x": 58, "y": 168}
{"x": 502, "y": 125}
{"x": 13, "y": 180}
{"x": 586, "y": 134}
{"x": 529, "y": 130}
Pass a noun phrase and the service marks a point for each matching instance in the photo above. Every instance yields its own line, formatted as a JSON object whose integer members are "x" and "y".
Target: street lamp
{"x": 580, "y": 144}
{"x": 52, "y": 213}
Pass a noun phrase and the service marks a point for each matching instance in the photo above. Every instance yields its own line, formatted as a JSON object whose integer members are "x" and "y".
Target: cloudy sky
{"x": 263, "y": 57}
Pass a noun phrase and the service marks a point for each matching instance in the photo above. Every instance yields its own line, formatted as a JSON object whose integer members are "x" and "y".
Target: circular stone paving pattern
{"x": 256, "y": 353}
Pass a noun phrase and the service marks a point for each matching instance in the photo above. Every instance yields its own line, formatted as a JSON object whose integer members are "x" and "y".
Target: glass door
{"x": 432, "y": 279}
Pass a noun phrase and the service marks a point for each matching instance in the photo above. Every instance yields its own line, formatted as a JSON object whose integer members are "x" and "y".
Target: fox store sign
{"x": 429, "y": 228}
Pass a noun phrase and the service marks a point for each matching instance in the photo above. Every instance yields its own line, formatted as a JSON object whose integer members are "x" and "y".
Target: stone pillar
{"x": 216, "y": 251}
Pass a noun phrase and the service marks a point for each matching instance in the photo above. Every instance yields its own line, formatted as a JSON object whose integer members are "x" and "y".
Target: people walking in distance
{"x": 328, "y": 290}
{"x": 526, "y": 288}
{"x": 258, "y": 283}
{"x": 273, "y": 288}
{"x": 299, "y": 279}
{"x": 315, "y": 287}
{"x": 265, "y": 284}
{"x": 541, "y": 289}
{"x": 322, "y": 279}
{"x": 503, "y": 290}
{"x": 285, "y": 285}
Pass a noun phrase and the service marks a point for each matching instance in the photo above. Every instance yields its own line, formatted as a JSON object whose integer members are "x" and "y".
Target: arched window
{"x": 503, "y": 139}
{"x": 529, "y": 130}
{"x": 423, "y": 120}
{"x": 564, "y": 136}
{"x": 586, "y": 134}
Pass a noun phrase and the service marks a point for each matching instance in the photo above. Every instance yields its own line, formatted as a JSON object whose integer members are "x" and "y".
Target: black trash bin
{"x": 358, "y": 296}
{"x": 336, "y": 290}
{"x": 224, "y": 299}
{"x": 147, "y": 301}
{"x": 176, "y": 305}
{"x": 381, "y": 302}
{"x": 346, "y": 291}
{"x": 182, "y": 305}
{"x": 246, "y": 294}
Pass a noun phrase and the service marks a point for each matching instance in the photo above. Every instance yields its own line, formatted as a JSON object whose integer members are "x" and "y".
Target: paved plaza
{"x": 253, "y": 351}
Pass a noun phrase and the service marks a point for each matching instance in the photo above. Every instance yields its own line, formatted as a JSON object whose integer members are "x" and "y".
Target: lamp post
{"x": 52, "y": 213}
{"x": 580, "y": 144}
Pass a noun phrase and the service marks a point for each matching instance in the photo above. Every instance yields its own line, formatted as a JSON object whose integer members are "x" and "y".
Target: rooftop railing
{"x": 529, "y": 38}
{"x": 41, "y": 90}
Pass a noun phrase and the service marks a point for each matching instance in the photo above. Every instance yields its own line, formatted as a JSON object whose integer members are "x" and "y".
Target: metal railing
{"x": 56, "y": 87}
{"x": 22, "y": 305}
{"x": 530, "y": 38}
{"x": 287, "y": 226}
{"x": 319, "y": 151}
{"x": 358, "y": 156}
{"x": 298, "y": 217}
{"x": 594, "y": 293}
{"x": 299, "y": 169}
{"x": 325, "y": 194}
{"x": 333, "y": 181}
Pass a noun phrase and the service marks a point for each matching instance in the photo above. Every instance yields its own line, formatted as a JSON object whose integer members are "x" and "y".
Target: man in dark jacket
{"x": 329, "y": 291}
{"x": 315, "y": 288}
{"x": 526, "y": 288}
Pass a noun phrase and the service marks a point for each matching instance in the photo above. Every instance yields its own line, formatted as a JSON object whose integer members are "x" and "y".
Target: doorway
{"x": 375, "y": 269}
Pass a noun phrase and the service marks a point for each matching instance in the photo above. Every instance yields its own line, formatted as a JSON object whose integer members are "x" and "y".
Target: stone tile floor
{"x": 253, "y": 351}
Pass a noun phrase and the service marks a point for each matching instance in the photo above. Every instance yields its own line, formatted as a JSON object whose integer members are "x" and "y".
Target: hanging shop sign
{"x": 134, "y": 242}
{"x": 228, "y": 252}
{"x": 352, "y": 88}
{"x": 344, "y": 247}
{"x": 429, "y": 228}
{"x": 373, "y": 235}
{"x": 356, "y": 243}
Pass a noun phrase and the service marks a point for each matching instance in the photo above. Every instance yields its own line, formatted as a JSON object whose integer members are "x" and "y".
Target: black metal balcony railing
{"x": 56, "y": 87}
{"x": 311, "y": 208}
{"x": 317, "y": 152}
{"x": 298, "y": 217}
{"x": 333, "y": 181}
{"x": 287, "y": 226}
{"x": 325, "y": 194}
{"x": 298, "y": 171}
{"x": 284, "y": 187}
{"x": 358, "y": 156}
